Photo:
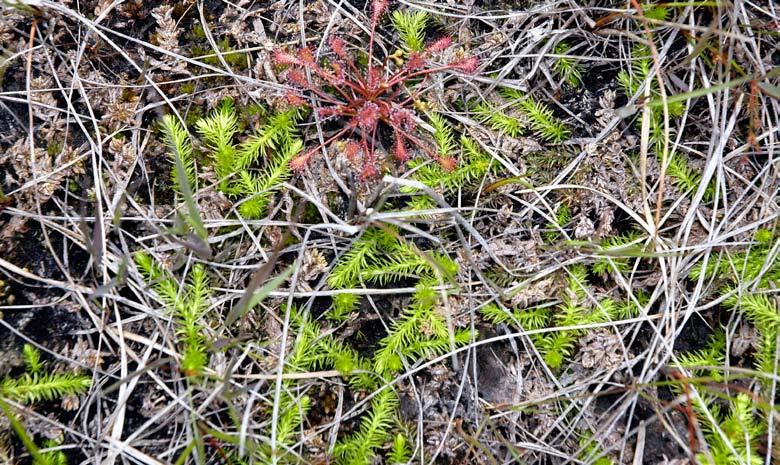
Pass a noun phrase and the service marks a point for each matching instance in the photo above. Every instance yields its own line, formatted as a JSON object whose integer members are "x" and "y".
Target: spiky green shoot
{"x": 411, "y": 27}
{"x": 420, "y": 332}
{"x": 271, "y": 147}
{"x": 187, "y": 306}
{"x": 35, "y": 385}
{"x": 566, "y": 67}
{"x": 30, "y": 388}
{"x": 178, "y": 141}
{"x": 529, "y": 114}
{"x": 374, "y": 431}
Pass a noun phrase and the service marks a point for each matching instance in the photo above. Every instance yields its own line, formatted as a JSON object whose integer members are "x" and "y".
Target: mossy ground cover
{"x": 388, "y": 232}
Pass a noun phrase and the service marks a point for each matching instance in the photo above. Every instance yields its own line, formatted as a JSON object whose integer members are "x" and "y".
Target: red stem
{"x": 413, "y": 95}
{"x": 356, "y": 73}
{"x": 331, "y": 139}
{"x": 324, "y": 96}
{"x": 337, "y": 83}
{"x": 410, "y": 137}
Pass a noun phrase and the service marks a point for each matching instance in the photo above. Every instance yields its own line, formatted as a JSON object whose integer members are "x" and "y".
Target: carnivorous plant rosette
{"x": 370, "y": 99}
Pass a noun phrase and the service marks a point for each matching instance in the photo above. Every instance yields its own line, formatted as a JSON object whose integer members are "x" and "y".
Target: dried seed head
{"x": 70, "y": 403}
{"x": 439, "y": 45}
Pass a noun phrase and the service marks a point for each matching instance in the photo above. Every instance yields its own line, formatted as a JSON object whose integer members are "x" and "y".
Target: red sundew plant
{"x": 365, "y": 97}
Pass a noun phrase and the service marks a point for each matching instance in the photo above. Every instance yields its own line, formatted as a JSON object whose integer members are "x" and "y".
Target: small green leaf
{"x": 32, "y": 358}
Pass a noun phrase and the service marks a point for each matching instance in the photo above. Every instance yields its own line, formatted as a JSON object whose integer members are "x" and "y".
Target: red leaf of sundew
{"x": 415, "y": 62}
{"x": 369, "y": 171}
{"x": 368, "y": 116}
{"x": 467, "y": 65}
{"x": 352, "y": 150}
{"x": 297, "y": 77}
{"x": 306, "y": 56}
{"x": 294, "y": 99}
{"x": 339, "y": 48}
{"x": 447, "y": 163}
{"x": 379, "y": 8}
{"x": 300, "y": 162}
{"x": 399, "y": 151}
{"x": 439, "y": 45}
{"x": 284, "y": 58}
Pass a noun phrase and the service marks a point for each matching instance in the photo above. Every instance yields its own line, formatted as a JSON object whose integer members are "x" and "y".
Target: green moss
{"x": 198, "y": 32}
{"x": 591, "y": 452}
{"x": 562, "y": 220}
{"x": 311, "y": 214}
{"x": 236, "y": 59}
{"x": 763, "y": 235}
{"x": 473, "y": 166}
{"x": 343, "y": 305}
{"x": 737, "y": 431}
{"x": 193, "y": 116}
{"x": 272, "y": 146}
{"x": 411, "y": 28}
{"x": 187, "y": 87}
{"x": 188, "y": 308}
{"x": 53, "y": 148}
{"x": 255, "y": 109}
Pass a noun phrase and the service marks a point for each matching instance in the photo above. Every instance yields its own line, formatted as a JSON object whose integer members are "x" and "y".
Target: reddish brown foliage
{"x": 368, "y": 100}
